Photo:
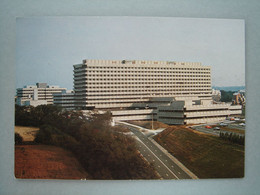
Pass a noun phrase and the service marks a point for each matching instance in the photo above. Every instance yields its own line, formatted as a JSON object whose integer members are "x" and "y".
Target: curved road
{"x": 162, "y": 163}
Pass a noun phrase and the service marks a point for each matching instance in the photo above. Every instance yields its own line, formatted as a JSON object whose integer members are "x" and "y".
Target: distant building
{"x": 216, "y": 95}
{"x": 65, "y": 99}
{"x": 239, "y": 98}
{"x": 39, "y": 94}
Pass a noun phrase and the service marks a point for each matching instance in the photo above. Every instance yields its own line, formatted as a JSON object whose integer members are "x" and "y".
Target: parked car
{"x": 216, "y": 128}
{"x": 208, "y": 127}
{"x": 242, "y": 124}
{"x": 223, "y": 124}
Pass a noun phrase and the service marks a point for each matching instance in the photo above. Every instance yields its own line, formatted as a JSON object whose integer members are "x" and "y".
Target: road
{"x": 203, "y": 129}
{"x": 162, "y": 163}
{"x": 230, "y": 124}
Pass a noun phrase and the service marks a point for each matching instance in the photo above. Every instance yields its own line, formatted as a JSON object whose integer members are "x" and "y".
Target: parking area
{"x": 236, "y": 126}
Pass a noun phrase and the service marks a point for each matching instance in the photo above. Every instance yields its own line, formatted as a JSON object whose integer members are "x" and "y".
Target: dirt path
{"x": 27, "y": 133}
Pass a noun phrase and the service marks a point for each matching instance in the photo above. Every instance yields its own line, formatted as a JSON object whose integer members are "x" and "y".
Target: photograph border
{"x": 203, "y": 9}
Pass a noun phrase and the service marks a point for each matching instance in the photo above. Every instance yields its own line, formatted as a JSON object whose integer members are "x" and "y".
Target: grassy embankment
{"x": 205, "y": 155}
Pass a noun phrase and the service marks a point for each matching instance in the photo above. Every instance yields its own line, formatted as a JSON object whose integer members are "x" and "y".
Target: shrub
{"x": 233, "y": 137}
{"x": 18, "y": 139}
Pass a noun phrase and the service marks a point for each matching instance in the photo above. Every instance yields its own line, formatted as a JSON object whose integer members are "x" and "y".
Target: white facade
{"x": 168, "y": 91}
{"x": 38, "y": 94}
{"x": 118, "y": 84}
{"x": 195, "y": 112}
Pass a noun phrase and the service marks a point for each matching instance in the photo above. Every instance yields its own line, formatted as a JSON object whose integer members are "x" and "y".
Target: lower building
{"x": 195, "y": 112}
{"x": 182, "y": 110}
{"x": 65, "y": 99}
{"x": 39, "y": 94}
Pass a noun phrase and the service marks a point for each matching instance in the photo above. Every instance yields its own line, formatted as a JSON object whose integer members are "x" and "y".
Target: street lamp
{"x": 146, "y": 107}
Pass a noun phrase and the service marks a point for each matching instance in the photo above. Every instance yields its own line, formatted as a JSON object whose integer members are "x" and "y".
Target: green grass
{"x": 206, "y": 156}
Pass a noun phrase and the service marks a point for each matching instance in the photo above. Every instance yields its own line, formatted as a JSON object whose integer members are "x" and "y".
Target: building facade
{"x": 195, "y": 112}
{"x": 65, "y": 99}
{"x": 39, "y": 94}
{"x": 168, "y": 91}
{"x": 121, "y": 84}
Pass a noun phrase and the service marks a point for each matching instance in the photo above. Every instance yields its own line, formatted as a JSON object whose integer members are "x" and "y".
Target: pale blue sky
{"x": 47, "y": 47}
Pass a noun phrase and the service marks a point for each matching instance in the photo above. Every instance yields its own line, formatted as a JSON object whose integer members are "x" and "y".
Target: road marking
{"x": 161, "y": 161}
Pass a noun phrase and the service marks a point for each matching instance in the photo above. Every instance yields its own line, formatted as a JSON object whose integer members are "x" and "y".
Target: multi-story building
{"x": 65, "y": 99}
{"x": 135, "y": 89}
{"x": 38, "y": 94}
{"x": 122, "y": 84}
{"x": 194, "y": 112}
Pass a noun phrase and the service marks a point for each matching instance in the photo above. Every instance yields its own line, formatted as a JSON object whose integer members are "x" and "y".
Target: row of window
{"x": 144, "y": 68}
{"x": 208, "y": 88}
{"x": 144, "y": 95}
{"x": 146, "y": 79}
{"x": 143, "y": 79}
{"x": 139, "y": 83}
{"x": 145, "y": 72}
{"x": 167, "y": 110}
{"x": 148, "y": 74}
{"x": 144, "y": 75}
{"x": 144, "y": 90}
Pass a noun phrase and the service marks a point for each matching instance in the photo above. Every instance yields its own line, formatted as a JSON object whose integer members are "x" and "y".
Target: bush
{"x": 45, "y": 134}
{"x": 18, "y": 139}
{"x": 233, "y": 137}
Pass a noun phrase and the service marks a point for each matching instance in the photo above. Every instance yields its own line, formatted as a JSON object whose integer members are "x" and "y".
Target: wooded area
{"x": 104, "y": 151}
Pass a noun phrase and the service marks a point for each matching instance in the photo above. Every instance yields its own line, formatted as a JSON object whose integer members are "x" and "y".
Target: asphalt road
{"x": 162, "y": 163}
{"x": 230, "y": 124}
{"x": 205, "y": 130}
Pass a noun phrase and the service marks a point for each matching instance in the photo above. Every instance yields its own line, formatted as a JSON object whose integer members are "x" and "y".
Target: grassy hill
{"x": 205, "y": 155}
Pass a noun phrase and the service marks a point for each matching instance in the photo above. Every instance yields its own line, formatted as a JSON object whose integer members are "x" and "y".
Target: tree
{"x": 226, "y": 96}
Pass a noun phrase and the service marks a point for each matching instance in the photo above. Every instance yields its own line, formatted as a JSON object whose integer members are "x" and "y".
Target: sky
{"x": 48, "y": 47}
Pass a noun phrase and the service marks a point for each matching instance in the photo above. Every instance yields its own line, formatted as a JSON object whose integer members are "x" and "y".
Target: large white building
{"x": 39, "y": 94}
{"x": 122, "y": 83}
{"x": 135, "y": 89}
